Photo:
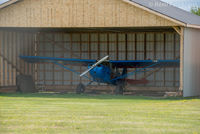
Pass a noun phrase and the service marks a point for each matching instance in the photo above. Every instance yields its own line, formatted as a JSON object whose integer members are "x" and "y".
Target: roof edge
{"x": 193, "y": 26}
{"x": 156, "y": 13}
{"x": 8, "y": 3}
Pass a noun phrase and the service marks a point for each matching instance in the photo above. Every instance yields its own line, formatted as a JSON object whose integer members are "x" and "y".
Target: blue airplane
{"x": 107, "y": 71}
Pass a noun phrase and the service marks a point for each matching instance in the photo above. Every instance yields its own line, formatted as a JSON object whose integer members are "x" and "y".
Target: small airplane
{"x": 107, "y": 71}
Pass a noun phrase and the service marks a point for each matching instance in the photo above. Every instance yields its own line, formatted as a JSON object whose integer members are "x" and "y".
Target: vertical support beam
{"x": 30, "y": 53}
{"x": 13, "y": 58}
{"x": 154, "y": 56}
{"x": 164, "y": 56}
{"x": 145, "y": 46}
{"x": 1, "y": 60}
{"x": 108, "y": 44}
{"x": 71, "y": 75}
{"x": 89, "y": 43}
{"x": 16, "y": 52}
{"x": 145, "y": 51}
{"x": 19, "y": 61}
{"x": 181, "y": 57}
{"x": 19, "y": 46}
{"x": 98, "y": 49}
{"x": 36, "y": 54}
{"x": 53, "y": 66}
{"x": 180, "y": 31}
{"x": 126, "y": 46}
{"x": 9, "y": 57}
{"x": 5, "y": 63}
{"x": 22, "y": 64}
{"x": 164, "y": 46}
{"x": 174, "y": 56}
{"x": 44, "y": 65}
{"x": 117, "y": 46}
{"x": 25, "y": 52}
{"x": 135, "y": 51}
{"x": 135, "y": 46}
{"x": 63, "y": 55}
{"x": 154, "y": 47}
{"x": 80, "y": 36}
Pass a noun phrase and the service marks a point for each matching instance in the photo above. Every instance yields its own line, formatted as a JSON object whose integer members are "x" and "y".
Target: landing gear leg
{"x": 80, "y": 88}
{"x": 120, "y": 88}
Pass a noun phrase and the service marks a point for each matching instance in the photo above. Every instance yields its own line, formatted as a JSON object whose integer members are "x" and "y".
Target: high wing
{"x": 64, "y": 61}
{"x": 145, "y": 63}
{"x": 115, "y": 63}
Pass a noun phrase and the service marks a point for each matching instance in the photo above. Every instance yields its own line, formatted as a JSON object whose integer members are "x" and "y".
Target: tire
{"x": 80, "y": 88}
{"x": 119, "y": 88}
{"x": 25, "y": 84}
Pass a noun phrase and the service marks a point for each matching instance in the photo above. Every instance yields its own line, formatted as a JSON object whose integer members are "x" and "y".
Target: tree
{"x": 196, "y": 10}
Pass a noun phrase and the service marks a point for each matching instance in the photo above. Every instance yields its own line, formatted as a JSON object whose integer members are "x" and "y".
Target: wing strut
{"x": 61, "y": 65}
{"x": 136, "y": 71}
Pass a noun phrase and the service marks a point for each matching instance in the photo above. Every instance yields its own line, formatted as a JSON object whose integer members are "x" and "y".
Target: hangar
{"x": 91, "y": 29}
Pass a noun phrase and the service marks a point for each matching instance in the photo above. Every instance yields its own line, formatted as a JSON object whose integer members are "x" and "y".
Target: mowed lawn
{"x": 97, "y": 114}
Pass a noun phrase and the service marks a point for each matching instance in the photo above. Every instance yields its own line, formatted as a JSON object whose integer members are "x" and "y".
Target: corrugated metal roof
{"x": 170, "y": 11}
{"x": 184, "y": 4}
{"x": 7, "y": 3}
{"x": 3, "y": 1}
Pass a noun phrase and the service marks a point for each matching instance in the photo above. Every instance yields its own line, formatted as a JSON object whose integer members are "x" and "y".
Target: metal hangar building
{"x": 91, "y": 29}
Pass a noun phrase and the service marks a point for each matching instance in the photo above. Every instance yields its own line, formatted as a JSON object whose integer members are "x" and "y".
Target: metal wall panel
{"x": 191, "y": 73}
{"x": 13, "y": 44}
{"x": 119, "y": 46}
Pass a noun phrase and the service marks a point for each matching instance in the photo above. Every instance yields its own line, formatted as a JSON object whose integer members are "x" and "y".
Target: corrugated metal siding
{"x": 13, "y": 44}
{"x": 119, "y": 46}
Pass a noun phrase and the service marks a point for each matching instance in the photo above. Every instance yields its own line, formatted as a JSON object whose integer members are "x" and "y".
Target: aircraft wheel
{"x": 119, "y": 89}
{"x": 80, "y": 88}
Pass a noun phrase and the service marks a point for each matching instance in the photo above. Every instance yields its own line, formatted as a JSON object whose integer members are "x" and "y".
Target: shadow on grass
{"x": 91, "y": 96}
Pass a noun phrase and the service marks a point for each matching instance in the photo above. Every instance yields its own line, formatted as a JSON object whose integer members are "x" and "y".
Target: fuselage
{"x": 101, "y": 74}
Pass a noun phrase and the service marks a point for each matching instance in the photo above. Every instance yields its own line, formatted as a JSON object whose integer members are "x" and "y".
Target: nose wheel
{"x": 80, "y": 88}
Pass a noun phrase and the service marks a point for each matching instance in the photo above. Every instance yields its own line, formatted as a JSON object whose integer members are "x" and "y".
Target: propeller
{"x": 94, "y": 65}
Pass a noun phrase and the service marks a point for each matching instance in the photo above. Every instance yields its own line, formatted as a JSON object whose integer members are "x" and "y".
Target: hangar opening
{"x": 95, "y": 43}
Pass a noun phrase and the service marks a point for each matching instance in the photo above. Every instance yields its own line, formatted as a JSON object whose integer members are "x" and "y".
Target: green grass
{"x": 97, "y": 114}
